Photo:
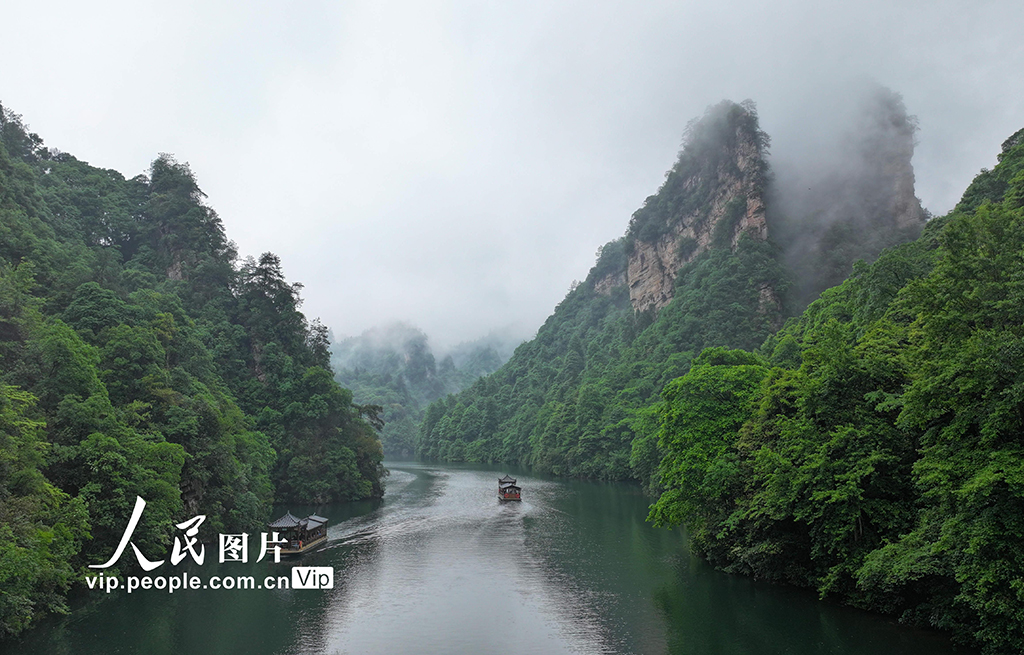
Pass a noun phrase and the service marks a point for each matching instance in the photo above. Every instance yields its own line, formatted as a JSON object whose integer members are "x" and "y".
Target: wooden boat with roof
{"x": 507, "y": 489}
{"x": 300, "y": 534}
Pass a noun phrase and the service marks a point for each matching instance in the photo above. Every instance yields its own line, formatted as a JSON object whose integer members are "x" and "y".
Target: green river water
{"x": 441, "y": 566}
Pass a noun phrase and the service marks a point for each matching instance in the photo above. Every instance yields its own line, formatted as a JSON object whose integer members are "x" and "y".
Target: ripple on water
{"x": 441, "y": 566}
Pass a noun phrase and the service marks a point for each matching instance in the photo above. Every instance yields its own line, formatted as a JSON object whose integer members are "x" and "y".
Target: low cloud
{"x": 458, "y": 165}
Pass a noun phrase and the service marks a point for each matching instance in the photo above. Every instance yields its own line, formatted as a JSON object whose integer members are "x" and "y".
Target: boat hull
{"x": 306, "y": 546}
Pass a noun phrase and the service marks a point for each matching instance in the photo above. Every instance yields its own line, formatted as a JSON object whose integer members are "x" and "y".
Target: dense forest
{"x": 868, "y": 448}
{"x": 861, "y": 440}
{"x": 394, "y": 367}
{"x": 576, "y": 399}
{"x": 140, "y": 357}
{"x": 566, "y": 400}
{"x": 871, "y": 448}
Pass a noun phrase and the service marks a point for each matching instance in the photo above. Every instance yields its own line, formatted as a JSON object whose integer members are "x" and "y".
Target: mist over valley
{"x": 730, "y": 290}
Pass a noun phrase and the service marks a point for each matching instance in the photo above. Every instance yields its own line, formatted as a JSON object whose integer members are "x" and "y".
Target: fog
{"x": 457, "y": 164}
{"x": 846, "y": 193}
{"x": 399, "y": 339}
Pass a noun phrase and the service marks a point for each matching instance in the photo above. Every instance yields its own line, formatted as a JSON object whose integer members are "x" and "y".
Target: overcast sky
{"x": 457, "y": 164}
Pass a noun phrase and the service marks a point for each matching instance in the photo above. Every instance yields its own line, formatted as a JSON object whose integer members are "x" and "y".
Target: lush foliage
{"x": 573, "y": 400}
{"x": 138, "y": 357}
{"x": 394, "y": 368}
{"x": 710, "y": 144}
{"x": 879, "y": 459}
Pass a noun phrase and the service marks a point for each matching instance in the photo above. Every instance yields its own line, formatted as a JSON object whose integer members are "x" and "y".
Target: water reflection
{"x": 442, "y": 567}
{"x": 453, "y": 574}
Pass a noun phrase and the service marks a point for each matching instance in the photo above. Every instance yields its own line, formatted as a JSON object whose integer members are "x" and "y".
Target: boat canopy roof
{"x": 507, "y": 479}
{"x": 507, "y": 486}
{"x": 286, "y": 521}
{"x": 311, "y": 522}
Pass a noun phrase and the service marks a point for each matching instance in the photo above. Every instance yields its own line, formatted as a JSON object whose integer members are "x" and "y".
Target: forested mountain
{"x": 695, "y": 269}
{"x": 872, "y": 448}
{"x": 565, "y": 400}
{"x": 138, "y": 356}
{"x": 395, "y": 368}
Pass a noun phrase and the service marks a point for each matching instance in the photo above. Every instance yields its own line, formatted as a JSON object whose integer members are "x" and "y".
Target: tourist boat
{"x": 507, "y": 489}
{"x": 300, "y": 534}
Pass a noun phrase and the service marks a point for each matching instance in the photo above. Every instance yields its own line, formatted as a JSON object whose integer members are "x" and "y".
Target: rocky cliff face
{"x": 611, "y": 281}
{"x": 711, "y": 197}
{"x": 848, "y": 201}
{"x": 735, "y": 204}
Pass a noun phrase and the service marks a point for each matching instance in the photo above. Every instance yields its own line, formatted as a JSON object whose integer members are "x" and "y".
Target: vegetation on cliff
{"x": 138, "y": 357}
{"x": 871, "y": 449}
{"x": 394, "y": 368}
{"x": 868, "y": 449}
{"x": 570, "y": 400}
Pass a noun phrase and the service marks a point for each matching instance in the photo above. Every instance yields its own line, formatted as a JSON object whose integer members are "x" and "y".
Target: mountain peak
{"x": 711, "y": 197}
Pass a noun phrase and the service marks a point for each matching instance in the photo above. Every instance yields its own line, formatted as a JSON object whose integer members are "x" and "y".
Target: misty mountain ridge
{"x": 824, "y": 212}
{"x": 720, "y": 255}
{"x": 850, "y": 200}
{"x": 395, "y": 367}
{"x": 869, "y": 448}
{"x": 375, "y": 349}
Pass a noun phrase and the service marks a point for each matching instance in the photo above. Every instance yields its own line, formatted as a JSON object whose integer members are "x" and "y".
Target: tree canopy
{"x": 139, "y": 357}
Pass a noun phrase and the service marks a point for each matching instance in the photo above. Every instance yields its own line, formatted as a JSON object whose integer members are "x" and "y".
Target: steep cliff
{"x": 693, "y": 270}
{"x": 710, "y": 197}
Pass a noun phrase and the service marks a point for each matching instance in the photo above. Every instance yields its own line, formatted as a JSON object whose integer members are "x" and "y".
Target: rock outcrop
{"x": 710, "y": 198}
{"x": 849, "y": 203}
{"x": 611, "y": 281}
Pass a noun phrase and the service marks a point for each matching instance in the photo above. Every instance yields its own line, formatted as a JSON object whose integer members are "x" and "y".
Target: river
{"x": 441, "y": 566}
